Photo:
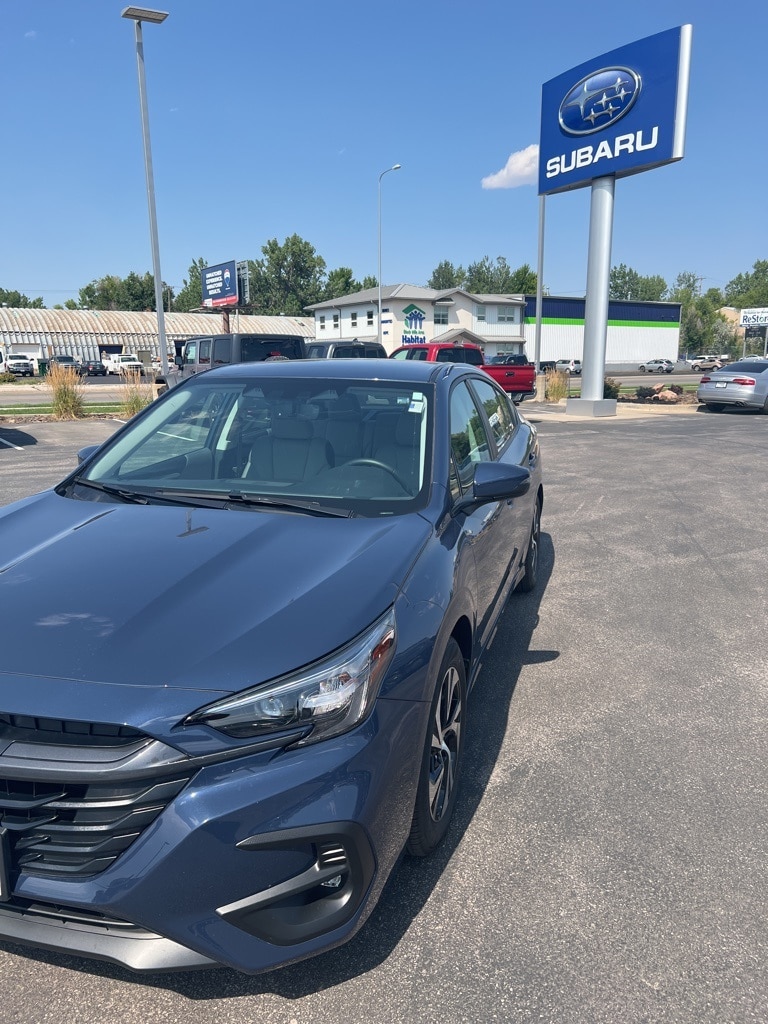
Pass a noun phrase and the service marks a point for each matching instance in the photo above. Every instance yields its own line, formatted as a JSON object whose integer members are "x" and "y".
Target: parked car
{"x": 706, "y": 363}
{"x": 657, "y": 366}
{"x": 93, "y": 368}
{"x": 329, "y": 545}
{"x": 569, "y": 366}
{"x": 352, "y": 349}
{"x": 441, "y": 352}
{"x": 743, "y": 383}
{"x": 65, "y": 361}
{"x": 18, "y": 364}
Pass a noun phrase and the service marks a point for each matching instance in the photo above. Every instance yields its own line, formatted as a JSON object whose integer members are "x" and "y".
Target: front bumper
{"x": 258, "y": 861}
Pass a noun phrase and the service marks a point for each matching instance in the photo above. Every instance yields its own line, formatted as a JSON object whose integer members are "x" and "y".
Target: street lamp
{"x": 137, "y": 15}
{"x": 395, "y": 167}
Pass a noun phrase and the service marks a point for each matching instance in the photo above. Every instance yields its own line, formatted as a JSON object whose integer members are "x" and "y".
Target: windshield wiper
{"x": 136, "y": 497}
{"x": 314, "y": 508}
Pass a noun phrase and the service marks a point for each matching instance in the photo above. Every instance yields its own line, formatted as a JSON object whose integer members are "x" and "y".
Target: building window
{"x": 322, "y": 323}
{"x": 335, "y": 321}
{"x": 353, "y": 319}
{"x": 370, "y": 318}
{"x": 480, "y": 313}
{"x": 506, "y": 315}
{"x": 441, "y": 315}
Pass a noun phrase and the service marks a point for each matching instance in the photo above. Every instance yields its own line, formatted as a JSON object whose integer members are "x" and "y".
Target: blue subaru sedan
{"x": 244, "y": 632}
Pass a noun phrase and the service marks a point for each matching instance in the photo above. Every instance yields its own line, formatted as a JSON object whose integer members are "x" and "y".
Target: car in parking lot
{"x": 20, "y": 365}
{"x": 222, "y": 759}
{"x": 741, "y": 384}
{"x": 352, "y": 349}
{"x": 66, "y": 362}
{"x": 93, "y": 368}
{"x": 657, "y": 366}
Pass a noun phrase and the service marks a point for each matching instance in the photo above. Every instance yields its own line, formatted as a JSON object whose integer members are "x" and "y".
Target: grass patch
{"x": 66, "y": 387}
{"x": 136, "y": 393}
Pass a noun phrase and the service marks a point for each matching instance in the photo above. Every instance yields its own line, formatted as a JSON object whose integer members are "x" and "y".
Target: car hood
{"x": 207, "y": 599}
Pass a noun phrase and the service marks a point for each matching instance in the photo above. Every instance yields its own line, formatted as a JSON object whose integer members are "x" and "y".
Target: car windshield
{"x": 363, "y": 447}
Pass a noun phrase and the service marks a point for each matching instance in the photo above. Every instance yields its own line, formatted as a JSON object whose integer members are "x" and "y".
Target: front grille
{"x": 75, "y": 830}
{"x": 55, "y": 730}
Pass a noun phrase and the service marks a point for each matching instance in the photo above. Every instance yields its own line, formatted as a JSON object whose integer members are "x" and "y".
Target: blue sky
{"x": 269, "y": 119}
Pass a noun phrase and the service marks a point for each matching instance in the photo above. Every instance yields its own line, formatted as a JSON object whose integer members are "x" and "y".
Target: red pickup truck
{"x": 514, "y": 373}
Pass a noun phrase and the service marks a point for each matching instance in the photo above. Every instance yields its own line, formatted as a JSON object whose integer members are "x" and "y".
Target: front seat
{"x": 290, "y": 453}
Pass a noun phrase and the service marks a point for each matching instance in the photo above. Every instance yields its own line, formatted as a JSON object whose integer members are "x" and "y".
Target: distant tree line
{"x": 289, "y": 277}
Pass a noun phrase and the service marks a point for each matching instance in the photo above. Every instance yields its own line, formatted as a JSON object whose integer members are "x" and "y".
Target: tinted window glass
{"x": 469, "y": 441}
{"x": 222, "y": 351}
{"x": 747, "y": 366}
{"x": 256, "y": 350}
{"x": 497, "y": 409}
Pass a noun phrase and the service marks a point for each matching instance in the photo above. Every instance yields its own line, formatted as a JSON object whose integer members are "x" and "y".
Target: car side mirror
{"x": 494, "y": 481}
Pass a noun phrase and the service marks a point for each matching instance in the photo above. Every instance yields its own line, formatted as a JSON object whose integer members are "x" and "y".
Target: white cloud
{"x": 522, "y": 168}
{"x": 31, "y": 34}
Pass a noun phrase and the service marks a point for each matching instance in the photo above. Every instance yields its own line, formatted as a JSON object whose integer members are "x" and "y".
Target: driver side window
{"x": 469, "y": 442}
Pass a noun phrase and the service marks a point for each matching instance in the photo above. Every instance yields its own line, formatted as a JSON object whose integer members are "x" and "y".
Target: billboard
{"x": 617, "y": 114}
{"x": 755, "y": 317}
{"x": 219, "y": 284}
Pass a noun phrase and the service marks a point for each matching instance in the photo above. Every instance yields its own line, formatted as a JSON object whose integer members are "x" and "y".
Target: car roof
{"x": 397, "y": 370}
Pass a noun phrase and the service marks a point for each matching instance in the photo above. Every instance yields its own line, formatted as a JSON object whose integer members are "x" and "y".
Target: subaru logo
{"x": 599, "y": 100}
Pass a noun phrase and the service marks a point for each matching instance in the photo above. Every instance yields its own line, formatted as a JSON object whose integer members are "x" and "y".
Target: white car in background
{"x": 20, "y": 365}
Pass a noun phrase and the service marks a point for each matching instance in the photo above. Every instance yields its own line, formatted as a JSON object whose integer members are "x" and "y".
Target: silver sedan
{"x": 743, "y": 384}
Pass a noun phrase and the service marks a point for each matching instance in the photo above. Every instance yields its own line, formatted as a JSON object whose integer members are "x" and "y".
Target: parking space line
{"x": 3, "y": 441}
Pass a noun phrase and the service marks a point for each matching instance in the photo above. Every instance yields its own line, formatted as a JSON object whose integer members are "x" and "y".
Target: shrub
{"x": 676, "y": 388}
{"x": 644, "y": 392}
{"x": 555, "y": 385}
{"x": 135, "y": 394}
{"x": 611, "y": 388}
{"x": 7, "y": 378}
{"x": 66, "y": 389}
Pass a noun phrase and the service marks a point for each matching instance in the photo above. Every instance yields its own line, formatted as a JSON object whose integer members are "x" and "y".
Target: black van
{"x": 221, "y": 349}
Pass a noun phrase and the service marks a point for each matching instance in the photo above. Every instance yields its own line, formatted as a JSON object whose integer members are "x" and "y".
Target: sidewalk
{"x": 555, "y": 411}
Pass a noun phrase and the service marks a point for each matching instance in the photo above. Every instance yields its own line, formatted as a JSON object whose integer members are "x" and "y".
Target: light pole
{"x": 395, "y": 167}
{"x": 137, "y": 15}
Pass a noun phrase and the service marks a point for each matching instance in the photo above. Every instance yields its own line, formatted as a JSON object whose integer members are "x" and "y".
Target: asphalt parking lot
{"x": 608, "y": 858}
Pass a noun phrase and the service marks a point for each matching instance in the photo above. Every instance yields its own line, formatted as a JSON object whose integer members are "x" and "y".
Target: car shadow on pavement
{"x": 13, "y": 438}
{"x": 413, "y": 881}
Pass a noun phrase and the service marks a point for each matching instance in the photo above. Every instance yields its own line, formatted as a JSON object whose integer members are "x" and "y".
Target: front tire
{"x": 531, "y": 564}
{"x": 441, "y": 757}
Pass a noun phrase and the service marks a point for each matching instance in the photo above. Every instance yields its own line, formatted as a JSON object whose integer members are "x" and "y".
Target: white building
{"x": 637, "y": 331}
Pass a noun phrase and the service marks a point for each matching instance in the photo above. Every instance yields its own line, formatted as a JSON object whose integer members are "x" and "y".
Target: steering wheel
{"x": 379, "y": 465}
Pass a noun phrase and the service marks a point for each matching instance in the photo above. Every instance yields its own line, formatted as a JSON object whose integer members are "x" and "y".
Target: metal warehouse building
{"x": 85, "y": 334}
{"x": 637, "y": 331}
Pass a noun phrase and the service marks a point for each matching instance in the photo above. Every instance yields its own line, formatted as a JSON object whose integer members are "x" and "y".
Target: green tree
{"x": 749, "y": 290}
{"x": 626, "y": 283}
{"x": 498, "y": 278}
{"x": 289, "y": 278}
{"x": 190, "y": 296}
{"x": 340, "y": 282}
{"x": 369, "y": 281}
{"x": 133, "y": 293}
{"x": 446, "y": 276}
{"x": 16, "y": 300}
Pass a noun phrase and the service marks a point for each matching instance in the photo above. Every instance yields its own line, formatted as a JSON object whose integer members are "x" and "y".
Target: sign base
{"x": 590, "y": 407}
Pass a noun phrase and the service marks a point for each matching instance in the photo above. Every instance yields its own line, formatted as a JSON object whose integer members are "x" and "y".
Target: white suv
{"x": 569, "y": 366}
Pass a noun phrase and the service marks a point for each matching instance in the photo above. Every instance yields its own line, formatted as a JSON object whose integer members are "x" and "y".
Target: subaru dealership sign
{"x": 617, "y": 114}
{"x": 219, "y": 284}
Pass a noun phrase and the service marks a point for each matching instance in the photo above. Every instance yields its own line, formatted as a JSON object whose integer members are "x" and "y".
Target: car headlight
{"x": 329, "y": 697}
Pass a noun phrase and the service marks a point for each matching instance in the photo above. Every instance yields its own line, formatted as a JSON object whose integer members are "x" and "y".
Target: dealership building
{"x": 637, "y": 331}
